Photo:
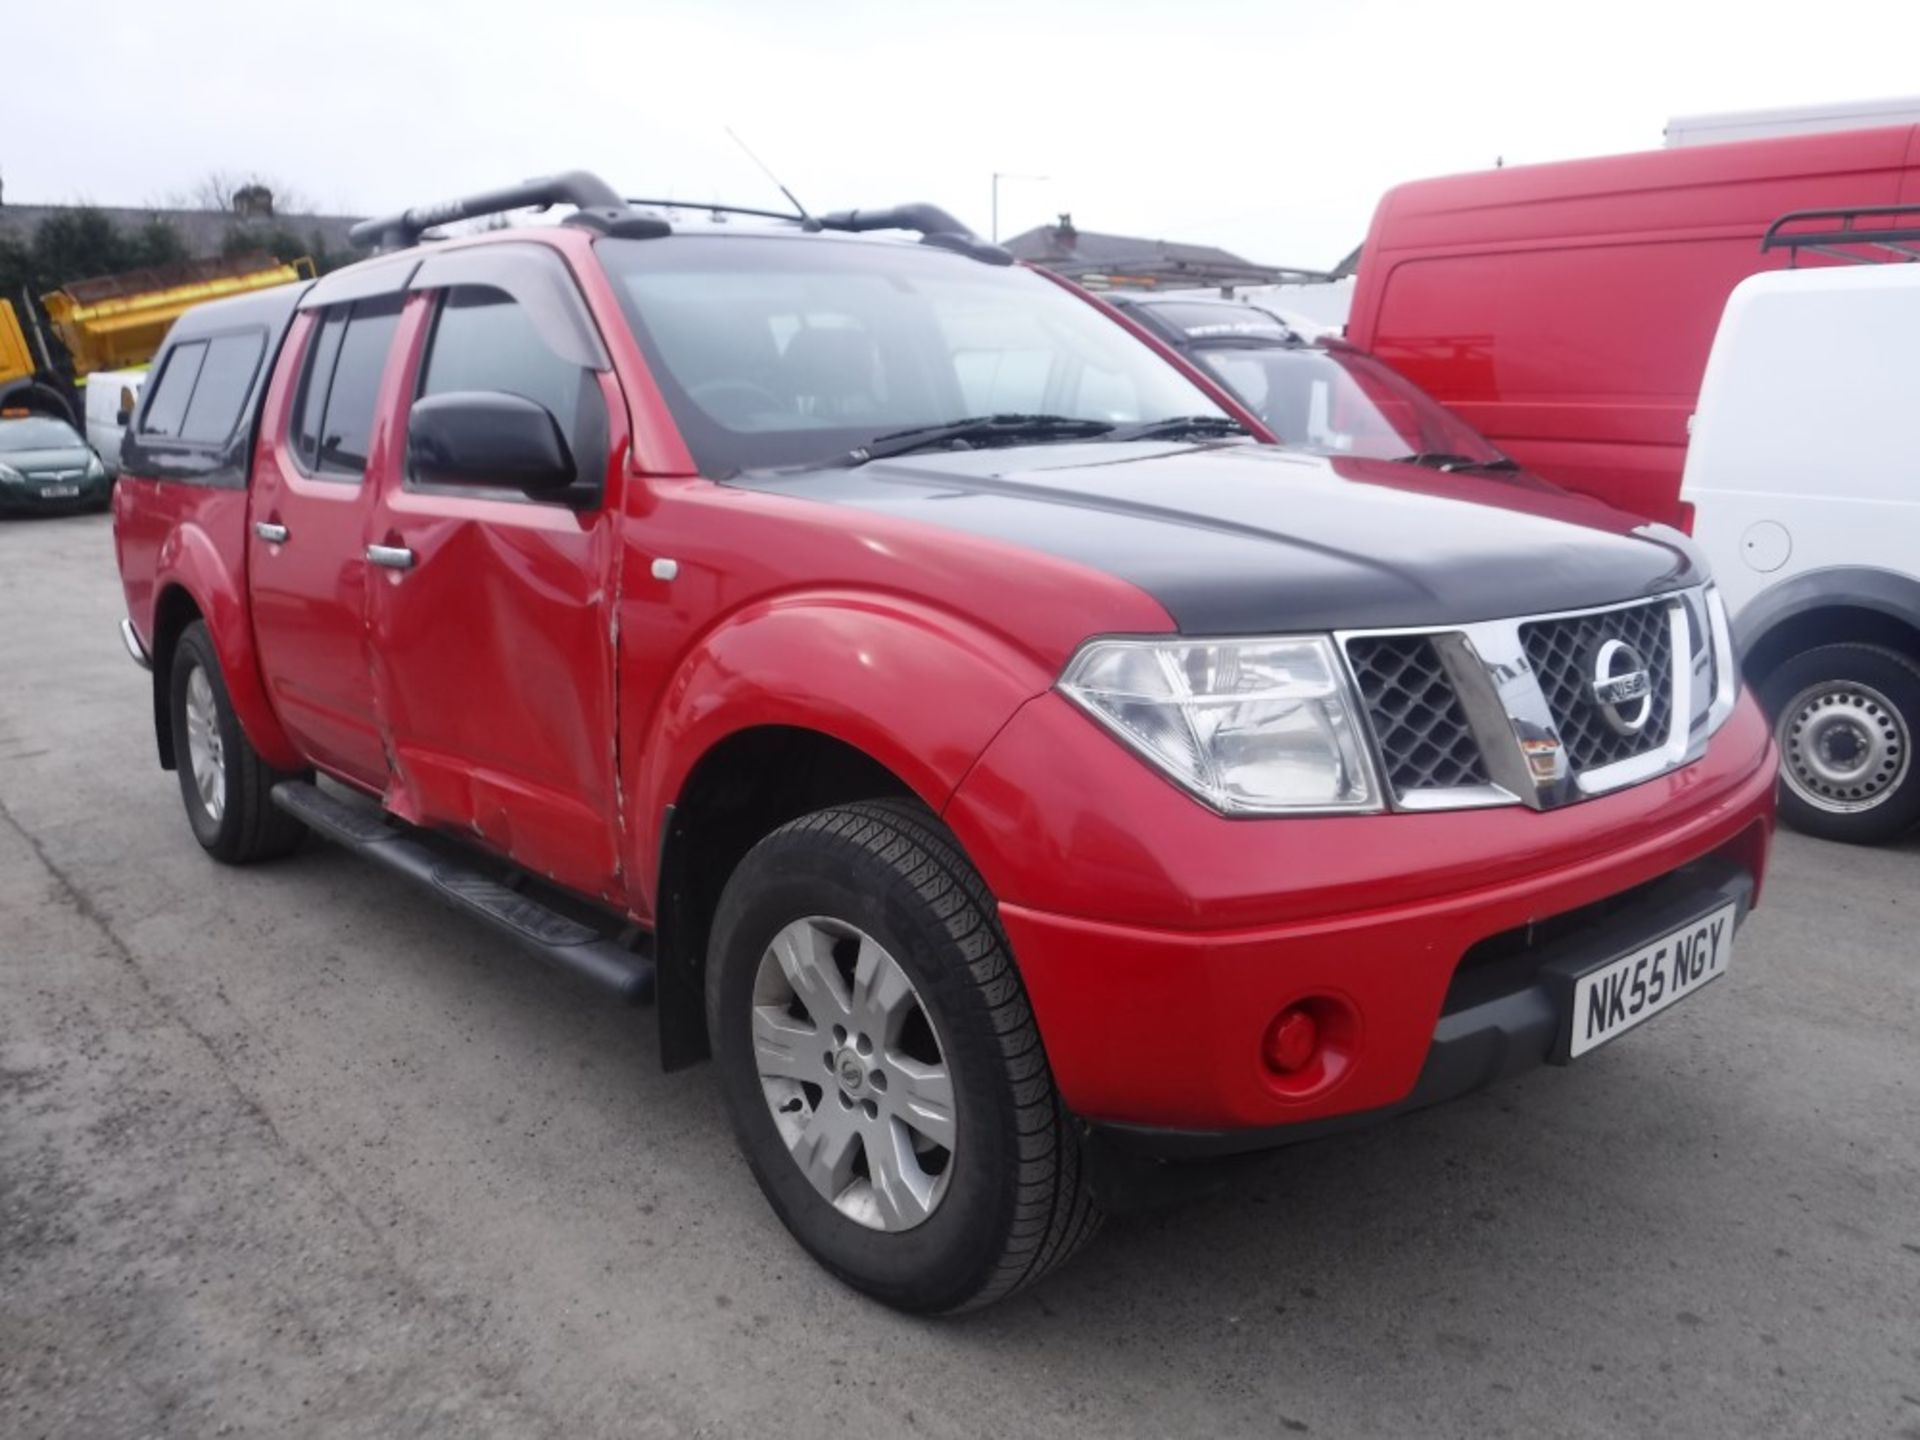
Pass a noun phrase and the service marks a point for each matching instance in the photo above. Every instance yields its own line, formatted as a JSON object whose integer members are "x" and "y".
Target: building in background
{"x": 1102, "y": 261}
{"x": 203, "y": 233}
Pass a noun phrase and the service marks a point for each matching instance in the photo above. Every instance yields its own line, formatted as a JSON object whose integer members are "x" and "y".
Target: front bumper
{"x": 1153, "y": 1018}
{"x": 1506, "y": 1011}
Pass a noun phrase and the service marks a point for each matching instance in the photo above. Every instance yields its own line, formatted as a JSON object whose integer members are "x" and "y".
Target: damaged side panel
{"x": 493, "y": 660}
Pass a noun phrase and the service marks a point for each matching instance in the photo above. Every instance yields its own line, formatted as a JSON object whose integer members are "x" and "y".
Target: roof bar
{"x": 934, "y": 226}
{"x": 1835, "y": 228}
{"x": 575, "y": 187}
{"x": 692, "y": 207}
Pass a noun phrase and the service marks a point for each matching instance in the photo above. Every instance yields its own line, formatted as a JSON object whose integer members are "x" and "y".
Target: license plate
{"x": 1620, "y": 994}
{"x": 58, "y": 492}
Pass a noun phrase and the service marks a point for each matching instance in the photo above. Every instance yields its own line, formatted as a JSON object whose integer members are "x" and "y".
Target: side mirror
{"x": 490, "y": 440}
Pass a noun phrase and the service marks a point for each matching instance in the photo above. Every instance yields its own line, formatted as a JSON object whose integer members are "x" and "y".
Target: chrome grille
{"x": 1562, "y": 654}
{"x": 1505, "y": 712}
{"x": 1418, "y": 724}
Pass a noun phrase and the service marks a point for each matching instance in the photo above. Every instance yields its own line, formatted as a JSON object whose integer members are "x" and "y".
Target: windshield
{"x": 37, "y": 432}
{"x": 775, "y": 353}
{"x": 1340, "y": 402}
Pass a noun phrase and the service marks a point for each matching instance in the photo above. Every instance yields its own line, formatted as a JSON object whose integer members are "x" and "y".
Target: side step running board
{"x": 556, "y": 938}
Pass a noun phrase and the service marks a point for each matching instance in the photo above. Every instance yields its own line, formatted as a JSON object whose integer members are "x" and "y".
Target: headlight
{"x": 95, "y": 470}
{"x": 10, "y": 476}
{"x": 1248, "y": 726}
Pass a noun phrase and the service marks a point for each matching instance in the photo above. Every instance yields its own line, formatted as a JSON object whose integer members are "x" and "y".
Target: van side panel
{"x": 1567, "y": 310}
{"x": 1802, "y": 455}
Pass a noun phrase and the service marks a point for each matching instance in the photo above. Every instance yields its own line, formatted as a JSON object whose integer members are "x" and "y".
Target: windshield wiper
{"x": 1439, "y": 460}
{"x": 1178, "y": 425}
{"x": 977, "y": 430}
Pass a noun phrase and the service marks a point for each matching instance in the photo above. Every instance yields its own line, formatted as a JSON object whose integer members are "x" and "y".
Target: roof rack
{"x": 933, "y": 225}
{"x": 600, "y": 207}
{"x": 805, "y": 222}
{"x": 1834, "y": 230}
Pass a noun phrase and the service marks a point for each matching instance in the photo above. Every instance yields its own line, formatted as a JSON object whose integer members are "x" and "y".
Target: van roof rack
{"x": 599, "y": 204}
{"x": 1880, "y": 240}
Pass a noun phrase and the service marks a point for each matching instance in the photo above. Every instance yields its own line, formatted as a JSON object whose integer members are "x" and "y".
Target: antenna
{"x": 792, "y": 200}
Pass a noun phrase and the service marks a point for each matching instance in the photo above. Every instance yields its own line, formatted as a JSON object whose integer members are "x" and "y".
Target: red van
{"x": 1565, "y": 311}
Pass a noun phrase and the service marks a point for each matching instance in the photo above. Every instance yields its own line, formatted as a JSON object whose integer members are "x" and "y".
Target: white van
{"x": 111, "y": 397}
{"x": 1804, "y": 476}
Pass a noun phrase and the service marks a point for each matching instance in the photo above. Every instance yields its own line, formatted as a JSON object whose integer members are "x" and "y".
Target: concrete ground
{"x": 293, "y": 1151}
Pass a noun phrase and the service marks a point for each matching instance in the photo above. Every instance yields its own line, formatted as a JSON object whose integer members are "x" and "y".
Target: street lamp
{"x": 998, "y": 176}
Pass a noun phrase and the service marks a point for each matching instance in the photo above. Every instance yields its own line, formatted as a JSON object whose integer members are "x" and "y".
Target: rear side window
{"x": 226, "y": 377}
{"x": 174, "y": 390}
{"x": 339, "y": 384}
{"x": 316, "y": 376}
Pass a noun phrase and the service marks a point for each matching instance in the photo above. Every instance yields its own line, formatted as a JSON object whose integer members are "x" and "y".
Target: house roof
{"x": 1079, "y": 254}
{"x": 1045, "y": 244}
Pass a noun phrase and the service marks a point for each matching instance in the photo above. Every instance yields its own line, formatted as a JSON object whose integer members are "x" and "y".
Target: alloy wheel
{"x": 204, "y": 749}
{"x": 853, "y": 1071}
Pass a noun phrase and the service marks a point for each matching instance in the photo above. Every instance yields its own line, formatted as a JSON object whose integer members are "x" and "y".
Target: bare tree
{"x": 236, "y": 192}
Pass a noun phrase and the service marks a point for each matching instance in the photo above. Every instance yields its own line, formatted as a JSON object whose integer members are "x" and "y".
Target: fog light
{"x": 1291, "y": 1041}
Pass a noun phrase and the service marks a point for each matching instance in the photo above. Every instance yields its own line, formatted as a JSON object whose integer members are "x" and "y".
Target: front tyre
{"x": 223, "y": 781}
{"x": 1845, "y": 717}
{"x": 881, "y": 1064}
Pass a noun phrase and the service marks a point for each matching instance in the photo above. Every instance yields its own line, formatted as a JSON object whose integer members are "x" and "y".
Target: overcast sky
{"x": 1270, "y": 128}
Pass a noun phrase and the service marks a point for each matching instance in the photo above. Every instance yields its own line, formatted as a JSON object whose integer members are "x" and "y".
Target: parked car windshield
{"x": 38, "y": 432}
{"x": 1341, "y": 402}
{"x": 776, "y": 352}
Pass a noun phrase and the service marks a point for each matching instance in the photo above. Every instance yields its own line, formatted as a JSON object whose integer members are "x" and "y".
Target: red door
{"x": 306, "y": 566}
{"x": 490, "y": 613}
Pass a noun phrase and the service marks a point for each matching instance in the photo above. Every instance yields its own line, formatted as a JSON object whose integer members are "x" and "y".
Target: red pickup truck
{"x": 1026, "y": 785}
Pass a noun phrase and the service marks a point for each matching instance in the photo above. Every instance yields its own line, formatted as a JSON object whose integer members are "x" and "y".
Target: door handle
{"x": 392, "y": 557}
{"x": 271, "y": 533}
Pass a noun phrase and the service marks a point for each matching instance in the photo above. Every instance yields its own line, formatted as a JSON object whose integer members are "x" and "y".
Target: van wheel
{"x": 223, "y": 780}
{"x": 1845, "y": 717}
{"x": 881, "y": 1064}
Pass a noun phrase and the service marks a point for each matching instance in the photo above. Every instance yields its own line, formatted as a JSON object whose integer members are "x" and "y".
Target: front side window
{"x": 774, "y": 352}
{"x": 484, "y": 340}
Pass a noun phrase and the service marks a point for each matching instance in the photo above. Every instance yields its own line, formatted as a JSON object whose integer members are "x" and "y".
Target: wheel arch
{"x": 745, "y": 786}
{"x": 1820, "y": 607}
{"x": 193, "y": 583}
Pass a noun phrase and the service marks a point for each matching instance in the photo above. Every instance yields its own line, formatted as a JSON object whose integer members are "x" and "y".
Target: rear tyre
{"x": 881, "y": 1064}
{"x": 1845, "y": 717}
{"x": 223, "y": 781}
